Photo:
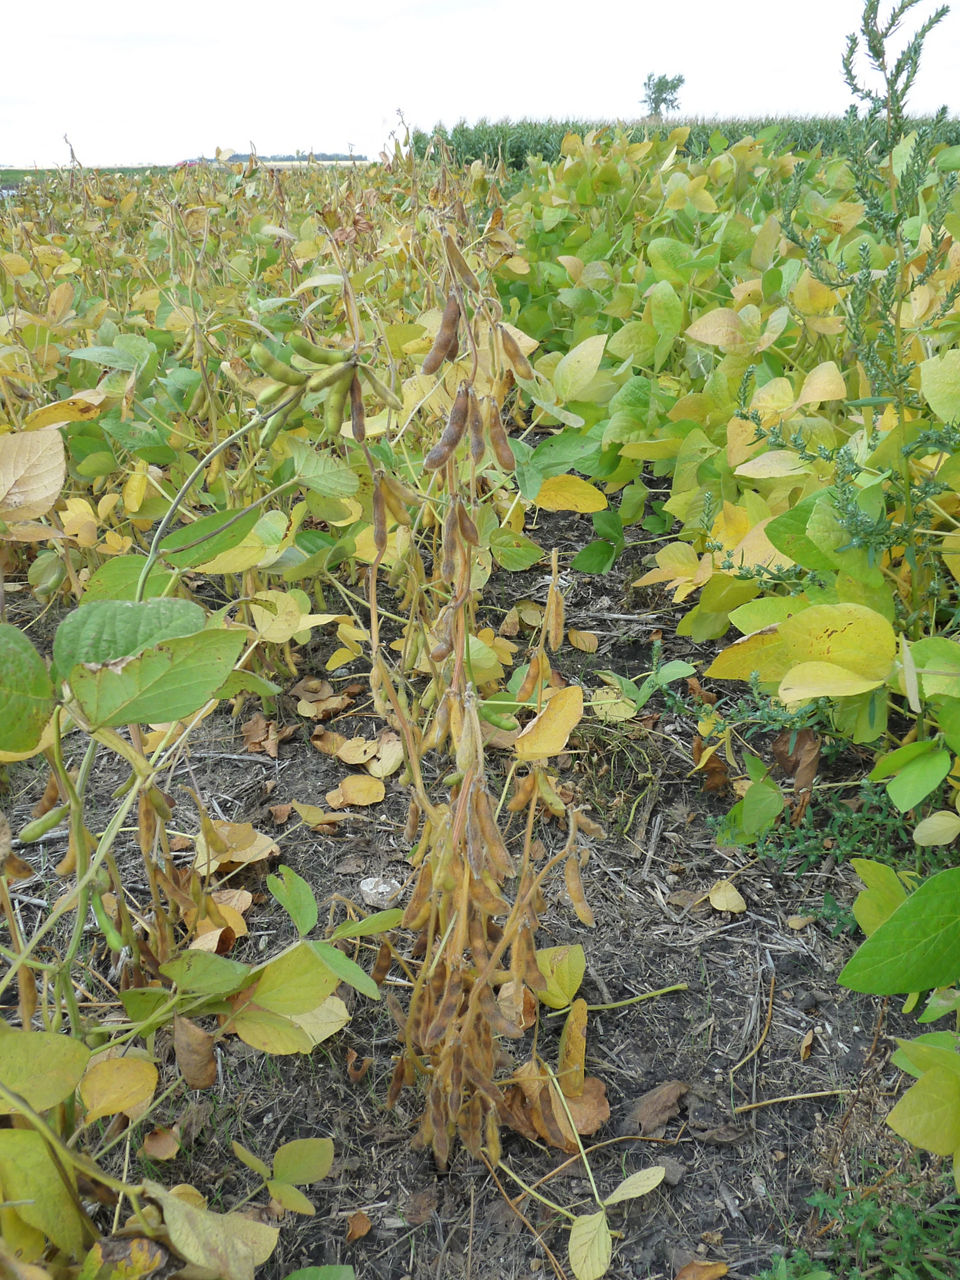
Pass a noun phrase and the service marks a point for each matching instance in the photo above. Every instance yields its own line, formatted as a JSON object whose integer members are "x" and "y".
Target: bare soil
{"x": 781, "y": 1078}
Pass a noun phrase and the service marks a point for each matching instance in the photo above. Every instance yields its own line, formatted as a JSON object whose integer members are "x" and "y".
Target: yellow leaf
{"x": 808, "y": 680}
{"x": 773, "y": 398}
{"x": 720, "y": 327}
{"x": 117, "y": 1085}
{"x": 725, "y": 896}
{"x": 576, "y": 370}
{"x": 79, "y": 408}
{"x": 357, "y": 750}
{"x": 591, "y": 1246}
{"x": 324, "y": 1021}
{"x": 547, "y": 734}
{"x": 762, "y": 652}
{"x": 563, "y": 968}
{"x": 825, "y": 382}
{"x": 585, "y": 641}
{"x": 32, "y": 471}
{"x": 569, "y": 493}
{"x": 852, "y": 636}
{"x": 356, "y": 788}
{"x": 772, "y": 465}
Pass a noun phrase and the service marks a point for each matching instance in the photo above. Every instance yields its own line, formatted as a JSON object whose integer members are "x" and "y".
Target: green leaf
{"x": 591, "y": 1246}
{"x": 30, "y": 1176}
{"x": 928, "y": 1114}
{"x": 64, "y": 1062}
{"x": 246, "y": 682}
{"x": 117, "y": 579}
{"x": 345, "y": 969}
{"x": 576, "y": 370}
{"x": 917, "y": 948}
{"x": 297, "y": 981}
{"x": 596, "y": 557}
{"x": 206, "y": 974}
{"x": 379, "y": 922}
{"x": 940, "y": 384}
{"x": 303, "y": 1161}
{"x": 161, "y": 685}
{"x": 763, "y": 803}
{"x": 513, "y": 551}
{"x": 322, "y": 473}
{"x": 26, "y": 691}
{"x": 108, "y": 630}
{"x": 106, "y": 357}
{"x": 935, "y": 1049}
{"x": 296, "y": 897}
{"x": 882, "y": 896}
{"x": 207, "y": 538}
{"x": 915, "y": 781}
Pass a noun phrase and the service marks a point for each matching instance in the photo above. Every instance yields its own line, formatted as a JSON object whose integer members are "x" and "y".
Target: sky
{"x": 133, "y": 83}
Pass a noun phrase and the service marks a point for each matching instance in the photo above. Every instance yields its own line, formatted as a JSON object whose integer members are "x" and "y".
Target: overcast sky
{"x": 155, "y": 83}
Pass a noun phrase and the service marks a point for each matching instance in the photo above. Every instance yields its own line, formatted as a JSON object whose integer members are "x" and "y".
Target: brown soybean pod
{"x": 452, "y": 432}
{"x": 448, "y": 567}
{"x": 379, "y": 518}
{"x": 518, "y": 361}
{"x": 499, "y": 440}
{"x": 468, "y": 529}
{"x": 459, "y": 265}
{"x": 446, "y": 335}
{"x": 475, "y": 422}
{"x": 357, "y": 421}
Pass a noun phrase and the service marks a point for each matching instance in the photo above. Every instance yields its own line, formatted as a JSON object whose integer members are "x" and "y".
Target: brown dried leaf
{"x": 806, "y": 1046}
{"x": 420, "y": 1206}
{"x": 511, "y": 623}
{"x": 194, "y": 1050}
{"x": 699, "y": 694}
{"x": 358, "y": 1225}
{"x": 518, "y": 1004}
{"x": 702, "y": 1271}
{"x": 708, "y": 761}
{"x": 260, "y": 735}
{"x": 327, "y": 741}
{"x": 280, "y": 813}
{"x": 161, "y": 1144}
{"x": 651, "y": 1112}
{"x": 591, "y": 1109}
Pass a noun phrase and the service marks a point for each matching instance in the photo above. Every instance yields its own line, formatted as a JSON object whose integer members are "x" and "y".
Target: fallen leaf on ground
{"x": 161, "y": 1144}
{"x": 418, "y": 1208}
{"x": 356, "y": 788}
{"x": 702, "y": 1271}
{"x": 722, "y": 1135}
{"x": 799, "y": 922}
{"x": 806, "y": 1046}
{"x": 725, "y": 896}
{"x": 260, "y": 735}
{"x": 358, "y": 1225}
{"x": 654, "y": 1109}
